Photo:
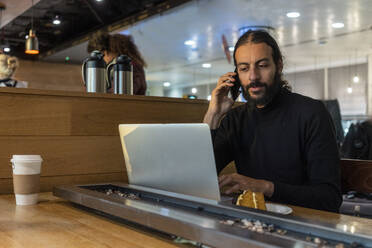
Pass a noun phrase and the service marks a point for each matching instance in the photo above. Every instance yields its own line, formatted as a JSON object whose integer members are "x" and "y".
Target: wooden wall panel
{"x": 77, "y": 133}
{"x": 47, "y": 183}
{"x": 50, "y": 76}
{"x": 89, "y": 114}
{"x": 65, "y": 155}
{"x": 356, "y": 175}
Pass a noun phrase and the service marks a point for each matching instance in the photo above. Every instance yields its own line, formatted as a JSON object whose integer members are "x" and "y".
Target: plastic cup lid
{"x": 26, "y": 158}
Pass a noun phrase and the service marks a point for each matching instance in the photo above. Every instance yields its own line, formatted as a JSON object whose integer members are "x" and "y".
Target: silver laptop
{"x": 172, "y": 157}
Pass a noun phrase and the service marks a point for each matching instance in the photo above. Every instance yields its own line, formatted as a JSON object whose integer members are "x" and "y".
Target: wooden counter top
{"x": 57, "y": 223}
{"x": 62, "y": 93}
{"x": 342, "y": 222}
{"x": 54, "y": 222}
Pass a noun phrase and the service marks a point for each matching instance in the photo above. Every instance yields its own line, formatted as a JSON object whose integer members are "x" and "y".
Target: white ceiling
{"x": 161, "y": 38}
{"x": 14, "y": 8}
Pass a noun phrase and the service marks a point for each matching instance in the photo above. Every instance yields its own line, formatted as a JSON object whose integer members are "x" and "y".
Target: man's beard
{"x": 270, "y": 91}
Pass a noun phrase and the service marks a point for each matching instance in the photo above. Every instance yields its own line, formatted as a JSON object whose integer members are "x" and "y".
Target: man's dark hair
{"x": 261, "y": 36}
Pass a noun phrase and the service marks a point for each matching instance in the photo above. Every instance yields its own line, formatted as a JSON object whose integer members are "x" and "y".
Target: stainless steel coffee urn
{"x": 94, "y": 73}
{"x": 122, "y": 75}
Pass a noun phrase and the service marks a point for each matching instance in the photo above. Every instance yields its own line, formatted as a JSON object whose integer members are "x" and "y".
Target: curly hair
{"x": 117, "y": 44}
{"x": 8, "y": 65}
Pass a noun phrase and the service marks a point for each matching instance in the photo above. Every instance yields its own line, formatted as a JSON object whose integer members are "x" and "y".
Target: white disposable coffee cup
{"x": 26, "y": 178}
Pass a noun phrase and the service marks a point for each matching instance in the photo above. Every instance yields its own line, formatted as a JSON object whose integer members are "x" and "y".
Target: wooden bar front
{"x": 77, "y": 133}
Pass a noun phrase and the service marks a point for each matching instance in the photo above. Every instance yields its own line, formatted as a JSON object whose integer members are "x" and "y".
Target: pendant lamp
{"x": 32, "y": 43}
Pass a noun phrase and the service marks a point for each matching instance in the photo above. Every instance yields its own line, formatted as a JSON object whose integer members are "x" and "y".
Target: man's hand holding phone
{"x": 235, "y": 90}
{"x": 220, "y": 102}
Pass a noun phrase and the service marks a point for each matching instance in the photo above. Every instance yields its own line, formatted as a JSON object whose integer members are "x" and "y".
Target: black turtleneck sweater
{"x": 290, "y": 142}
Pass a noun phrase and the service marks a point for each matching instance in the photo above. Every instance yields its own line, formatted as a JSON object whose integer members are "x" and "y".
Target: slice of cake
{"x": 252, "y": 200}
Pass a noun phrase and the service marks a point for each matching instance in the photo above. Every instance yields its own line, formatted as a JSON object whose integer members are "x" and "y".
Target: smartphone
{"x": 235, "y": 90}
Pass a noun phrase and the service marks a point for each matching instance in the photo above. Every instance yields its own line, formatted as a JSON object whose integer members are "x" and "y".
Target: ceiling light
{"x": 189, "y": 43}
{"x": 99, "y": 0}
{"x": 338, "y": 25}
{"x": 206, "y": 65}
{"x": 26, "y": 36}
{"x": 356, "y": 79}
{"x": 349, "y": 90}
{"x": 6, "y": 49}
{"x": 231, "y": 49}
{"x": 166, "y": 84}
{"x": 57, "y": 20}
{"x": 293, "y": 14}
{"x": 194, "y": 90}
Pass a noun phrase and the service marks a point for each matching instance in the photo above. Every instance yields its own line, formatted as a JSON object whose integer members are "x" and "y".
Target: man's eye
{"x": 243, "y": 68}
{"x": 262, "y": 65}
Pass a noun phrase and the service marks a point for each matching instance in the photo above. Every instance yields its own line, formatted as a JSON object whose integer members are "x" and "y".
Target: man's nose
{"x": 254, "y": 74}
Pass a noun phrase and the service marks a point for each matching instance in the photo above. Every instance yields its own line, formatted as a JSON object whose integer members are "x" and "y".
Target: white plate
{"x": 277, "y": 208}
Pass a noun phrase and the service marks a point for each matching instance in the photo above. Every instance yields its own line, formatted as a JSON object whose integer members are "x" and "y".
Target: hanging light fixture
{"x": 6, "y": 49}
{"x": 57, "y": 19}
{"x": 32, "y": 43}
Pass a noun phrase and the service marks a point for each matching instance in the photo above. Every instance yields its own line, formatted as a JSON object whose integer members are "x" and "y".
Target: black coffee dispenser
{"x": 93, "y": 72}
{"x": 122, "y": 75}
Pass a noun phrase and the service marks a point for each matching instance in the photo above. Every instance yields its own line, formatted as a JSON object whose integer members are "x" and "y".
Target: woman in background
{"x": 8, "y": 66}
{"x": 118, "y": 44}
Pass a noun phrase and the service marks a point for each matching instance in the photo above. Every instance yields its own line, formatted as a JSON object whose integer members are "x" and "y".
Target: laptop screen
{"x": 173, "y": 157}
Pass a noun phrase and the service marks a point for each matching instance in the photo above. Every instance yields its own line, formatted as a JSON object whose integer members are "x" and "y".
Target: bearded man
{"x": 283, "y": 144}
